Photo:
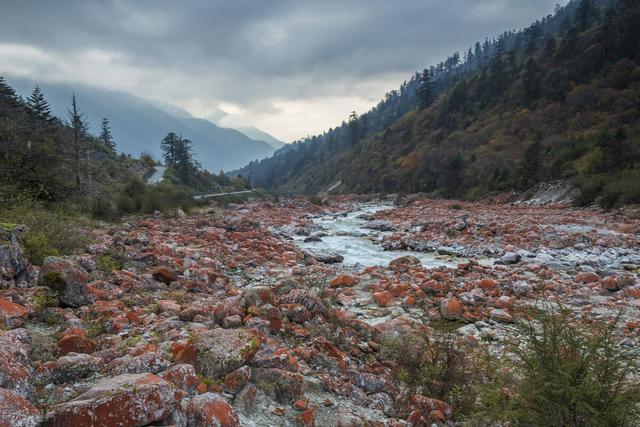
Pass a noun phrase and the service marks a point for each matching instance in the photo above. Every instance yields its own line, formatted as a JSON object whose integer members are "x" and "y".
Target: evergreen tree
{"x": 585, "y": 14}
{"x": 169, "y": 147}
{"x": 531, "y": 164}
{"x": 531, "y": 82}
{"x": 453, "y": 176}
{"x": 7, "y": 91}
{"x": 105, "y": 135}
{"x": 80, "y": 127}
{"x": 425, "y": 90}
{"x": 38, "y": 105}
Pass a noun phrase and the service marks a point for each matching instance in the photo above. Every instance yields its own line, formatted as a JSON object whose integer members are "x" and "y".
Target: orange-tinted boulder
{"x": 164, "y": 274}
{"x": 125, "y": 400}
{"x": 211, "y": 410}
{"x": 451, "y": 308}
{"x": 16, "y": 411}
{"x": 74, "y": 343}
{"x": 343, "y": 280}
{"x": 383, "y": 298}
{"x": 11, "y": 314}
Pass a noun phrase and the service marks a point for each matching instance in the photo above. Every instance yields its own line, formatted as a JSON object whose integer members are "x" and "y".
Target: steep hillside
{"x": 138, "y": 126}
{"x": 557, "y": 100}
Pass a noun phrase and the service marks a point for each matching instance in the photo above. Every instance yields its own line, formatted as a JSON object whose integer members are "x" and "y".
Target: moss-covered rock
{"x": 221, "y": 351}
{"x": 66, "y": 279}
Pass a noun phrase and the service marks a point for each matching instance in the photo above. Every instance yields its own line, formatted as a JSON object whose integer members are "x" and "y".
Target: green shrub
{"x": 37, "y": 247}
{"x": 438, "y": 366}
{"x": 108, "y": 263}
{"x": 53, "y": 230}
{"x": 46, "y": 300}
{"x": 52, "y": 318}
{"x": 566, "y": 375}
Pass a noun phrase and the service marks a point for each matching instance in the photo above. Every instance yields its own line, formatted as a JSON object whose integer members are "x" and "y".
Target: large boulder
{"x": 13, "y": 263}
{"x": 15, "y": 373}
{"x": 68, "y": 280}
{"x": 12, "y": 315}
{"x": 125, "y": 400}
{"x": 379, "y": 225}
{"x": 325, "y": 257}
{"x": 72, "y": 367}
{"x": 405, "y": 262}
{"x": 211, "y": 410}
{"x": 218, "y": 352}
{"x": 16, "y": 411}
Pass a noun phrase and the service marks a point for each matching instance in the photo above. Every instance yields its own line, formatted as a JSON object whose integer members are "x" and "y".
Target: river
{"x": 345, "y": 235}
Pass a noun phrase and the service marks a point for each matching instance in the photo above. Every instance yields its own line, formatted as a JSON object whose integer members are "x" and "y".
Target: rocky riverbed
{"x": 278, "y": 313}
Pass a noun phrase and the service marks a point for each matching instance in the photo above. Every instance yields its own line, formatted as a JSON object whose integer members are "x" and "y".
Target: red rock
{"x": 211, "y": 410}
{"x": 404, "y": 263}
{"x": 16, "y": 411}
{"x": 398, "y": 289}
{"x": 164, "y": 274}
{"x": 431, "y": 287}
{"x": 427, "y": 404}
{"x": 12, "y": 315}
{"x": 15, "y": 374}
{"x": 451, "y": 308}
{"x": 279, "y": 411}
{"x": 123, "y": 400}
{"x": 183, "y": 377}
{"x": 73, "y": 343}
{"x": 307, "y": 418}
{"x": 343, "y": 280}
{"x": 610, "y": 283}
{"x": 301, "y": 405}
{"x": 587, "y": 277}
{"x": 234, "y": 381}
{"x": 383, "y": 298}
{"x": 488, "y": 284}
{"x": 168, "y": 306}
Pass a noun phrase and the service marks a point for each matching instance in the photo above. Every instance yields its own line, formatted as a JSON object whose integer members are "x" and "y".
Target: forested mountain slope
{"x": 558, "y": 100}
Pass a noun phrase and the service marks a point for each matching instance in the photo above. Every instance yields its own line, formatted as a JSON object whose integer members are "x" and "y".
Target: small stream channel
{"x": 345, "y": 235}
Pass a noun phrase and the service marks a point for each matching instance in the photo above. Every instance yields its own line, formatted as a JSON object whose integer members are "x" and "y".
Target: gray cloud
{"x": 273, "y": 62}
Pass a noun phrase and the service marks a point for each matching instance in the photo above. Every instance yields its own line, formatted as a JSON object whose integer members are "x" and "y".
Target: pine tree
{"x": 77, "y": 121}
{"x": 169, "y": 147}
{"x": 585, "y": 14}
{"x": 425, "y": 90}
{"x": 7, "y": 91}
{"x": 38, "y": 105}
{"x": 105, "y": 135}
{"x": 531, "y": 164}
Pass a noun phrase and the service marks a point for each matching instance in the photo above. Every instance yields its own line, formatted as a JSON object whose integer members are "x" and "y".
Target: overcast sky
{"x": 290, "y": 67}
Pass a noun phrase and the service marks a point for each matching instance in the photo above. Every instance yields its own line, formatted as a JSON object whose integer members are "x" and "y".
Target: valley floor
{"x": 281, "y": 313}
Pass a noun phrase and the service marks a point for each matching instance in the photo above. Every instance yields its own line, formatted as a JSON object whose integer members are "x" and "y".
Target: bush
{"x": 52, "y": 230}
{"x": 566, "y": 375}
{"x": 439, "y": 367}
{"x": 37, "y": 247}
{"x": 108, "y": 263}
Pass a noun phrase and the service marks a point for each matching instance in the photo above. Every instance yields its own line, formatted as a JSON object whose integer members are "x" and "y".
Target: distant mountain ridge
{"x": 138, "y": 126}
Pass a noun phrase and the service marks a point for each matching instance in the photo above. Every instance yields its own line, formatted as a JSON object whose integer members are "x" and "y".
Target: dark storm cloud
{"x": 254, "y": 51}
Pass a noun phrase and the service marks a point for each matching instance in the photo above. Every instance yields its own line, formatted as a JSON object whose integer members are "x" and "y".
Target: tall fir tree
{"x": 105, "y": 135}
{"x": 425, "y": 89}
{"x": 7, "y": 91}
{"x": 169, "y": 148}
{"x": 585, "y": 14}
{"x": 77, "y": 122}
{"x": 38, "y": 105}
